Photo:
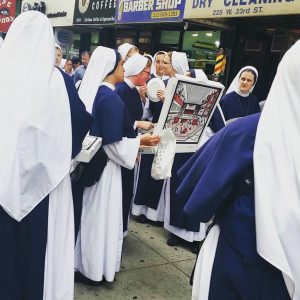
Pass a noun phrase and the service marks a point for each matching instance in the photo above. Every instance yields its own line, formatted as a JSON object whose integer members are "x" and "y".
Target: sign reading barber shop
{"x": 7, "y": 14}
{"x": 239, "y": 8}
{"x": 94, "y": 11}
{"x": 138, "y": 11}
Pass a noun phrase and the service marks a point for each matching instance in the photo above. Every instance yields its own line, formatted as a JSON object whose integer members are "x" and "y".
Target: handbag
{"x": 164, "y": 156}
{"x": 87, "y": 174}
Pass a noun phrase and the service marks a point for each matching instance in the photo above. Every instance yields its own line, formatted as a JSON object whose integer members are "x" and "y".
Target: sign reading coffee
{"x": 94, "y": 11}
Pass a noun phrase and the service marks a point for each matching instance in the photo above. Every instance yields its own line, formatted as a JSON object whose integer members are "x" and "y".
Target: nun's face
{"x": 168, "y": 69}
{"x": 159, "y": 64}
{"x": 246, "y": 82}
{"x": 58, "y": 56}
{"x": 143, "y": 77}
{"x": 119, "y": 72}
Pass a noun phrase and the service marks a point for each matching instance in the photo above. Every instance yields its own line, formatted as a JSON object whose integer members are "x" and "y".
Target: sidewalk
{"x": 150, "y": 269}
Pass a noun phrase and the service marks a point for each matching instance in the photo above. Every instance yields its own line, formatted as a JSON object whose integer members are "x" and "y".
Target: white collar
{"x": 241, "y": 94}
{"x": 107, "y": 84}
{"x": 129, "y": 82}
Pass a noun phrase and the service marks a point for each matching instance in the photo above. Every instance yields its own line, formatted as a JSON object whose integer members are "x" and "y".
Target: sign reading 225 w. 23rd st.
{"x": 138, "y": 11}
{"x": 239, "y": 8}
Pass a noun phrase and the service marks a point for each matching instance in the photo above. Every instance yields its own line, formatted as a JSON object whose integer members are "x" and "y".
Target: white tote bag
{"x": 164, "y": 156}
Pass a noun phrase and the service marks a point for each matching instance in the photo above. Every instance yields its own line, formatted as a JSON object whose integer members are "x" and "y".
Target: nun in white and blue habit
{"x": 242, "y": 179}
{"x": 99, "y": 241}
{"x": 236, "y": 103}
{"x": 176, "y": 222}
{"x": 218, "y": 183}
{"x": 37, "y": 123}
{"x": 130, "y": 96}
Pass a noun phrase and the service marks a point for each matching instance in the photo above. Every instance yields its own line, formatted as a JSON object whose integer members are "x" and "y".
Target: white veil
{"x": 153, "y": 66}
{"x": 180, "y": 62}
{"x": 234, "y": 86}
{"x": 35, "y": 122}
{"x": 101, "y": 63}
{"x": 124, "y": 49}
{"x": 135, "y": 64}
{"x": 277, "y": 173}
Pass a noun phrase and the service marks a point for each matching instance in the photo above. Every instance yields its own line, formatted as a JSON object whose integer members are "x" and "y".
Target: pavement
{"x": 150, "y": 269}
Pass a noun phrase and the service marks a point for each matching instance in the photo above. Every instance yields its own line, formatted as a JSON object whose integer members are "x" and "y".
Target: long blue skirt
{"x": 22, "y": 254}
{"x": 235, "y": 277}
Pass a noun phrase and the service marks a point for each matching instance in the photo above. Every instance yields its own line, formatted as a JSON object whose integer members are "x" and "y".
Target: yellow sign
{"x": 196, "y": 9}
{"x": 165, "y": 14}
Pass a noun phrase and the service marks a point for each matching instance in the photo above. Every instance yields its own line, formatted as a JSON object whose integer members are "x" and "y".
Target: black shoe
{"x": 173, "y": 240}
{"x": 142, "y": 219}
{"x": 195, "y": 247}
{"x": 79, "y": 277}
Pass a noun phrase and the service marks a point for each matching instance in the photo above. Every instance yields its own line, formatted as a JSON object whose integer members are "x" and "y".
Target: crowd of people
{"x": 237, "y": 192}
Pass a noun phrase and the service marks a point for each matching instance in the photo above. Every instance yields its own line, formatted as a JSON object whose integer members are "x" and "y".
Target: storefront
{"x": 256, "y": 32}
{"x": 60, "y": 14}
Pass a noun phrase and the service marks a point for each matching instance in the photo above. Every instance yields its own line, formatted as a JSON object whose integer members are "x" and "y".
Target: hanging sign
{"x": 7, "y": 14}
{"x": 141, "y": 11}
{"x": 94, "y": 11}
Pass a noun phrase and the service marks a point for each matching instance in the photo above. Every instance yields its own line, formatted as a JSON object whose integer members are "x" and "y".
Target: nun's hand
{"x": 149, "y": 140}
{"x": 146, "y": 125}
{"x": 143, "y": 92}
{"x": 161, "y": 95}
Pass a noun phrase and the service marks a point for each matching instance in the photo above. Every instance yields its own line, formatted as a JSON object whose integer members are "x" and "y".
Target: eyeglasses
{"x": 144, "y": 71}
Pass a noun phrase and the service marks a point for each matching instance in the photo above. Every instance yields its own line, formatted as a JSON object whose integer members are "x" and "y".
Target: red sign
{"x": 7, "y": 14}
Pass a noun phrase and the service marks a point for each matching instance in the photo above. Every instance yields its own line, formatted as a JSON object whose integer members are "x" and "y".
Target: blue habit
{"x": 233, "y": 106}
{"x": 155, "y": 107}
{"x": 112, "y": 127}
{"x": 131, "y": 98}
{"x": 148, "y": 190}
{"x": 219, "y": 181}
{"x": 23, "y": 244}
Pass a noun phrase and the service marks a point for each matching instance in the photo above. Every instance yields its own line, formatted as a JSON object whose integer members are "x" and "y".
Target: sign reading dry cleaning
{"x": 239, "y": 8}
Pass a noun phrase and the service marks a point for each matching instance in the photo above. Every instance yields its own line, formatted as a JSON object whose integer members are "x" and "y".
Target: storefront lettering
{"x": 167, "y": 4}
{"x": 208, "y": 3}
{"x": 252, "y": 2}
{"x": 103, "y": 4}
{"x": 6, "y": 20}
{"x": 59, "y": 14}
{"x": 150, "y": 5}
{"x": 201, "y": 3}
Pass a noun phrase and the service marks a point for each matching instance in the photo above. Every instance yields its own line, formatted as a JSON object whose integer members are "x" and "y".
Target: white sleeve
{"x": 124, "y": 152}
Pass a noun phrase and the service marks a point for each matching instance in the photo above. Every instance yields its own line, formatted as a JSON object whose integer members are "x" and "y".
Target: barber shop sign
{"x": 7, "y": 14}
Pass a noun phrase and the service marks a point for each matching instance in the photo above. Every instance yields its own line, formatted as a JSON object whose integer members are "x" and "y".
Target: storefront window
{"x": 201, "y": 48}
{"x": 169, "y": 40}
{"x": 144, "y": 42}
{"x": 94, "y": 40}
{"x": 74, "y": 48}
